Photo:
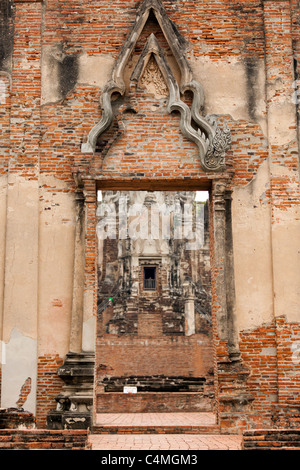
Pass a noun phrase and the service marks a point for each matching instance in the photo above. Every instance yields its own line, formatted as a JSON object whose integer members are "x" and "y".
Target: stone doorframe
{"x": 230, "y": 376}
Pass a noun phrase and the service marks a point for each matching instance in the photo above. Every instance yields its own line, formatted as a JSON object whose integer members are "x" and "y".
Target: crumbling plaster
{"x": 286, "y": 262}
{"x": 56, "y": 264}
{"x": 92, "y": 70}
{"x": 20, "y": 353}
{"x": 21, "y": 257}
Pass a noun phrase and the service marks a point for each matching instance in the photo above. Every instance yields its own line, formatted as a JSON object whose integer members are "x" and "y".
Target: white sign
{"x": 129, "y": 389}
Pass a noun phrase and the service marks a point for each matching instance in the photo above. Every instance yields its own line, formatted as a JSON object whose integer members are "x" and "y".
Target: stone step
{"x": 156, "y": 423}
{"x": 154, "y": 383}
{"x": 38, "y": 439}
{"x": 158, "y": 429}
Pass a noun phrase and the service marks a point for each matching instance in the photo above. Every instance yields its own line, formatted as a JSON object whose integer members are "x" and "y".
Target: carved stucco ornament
{"x": 153, "y": 80}
{"x": 212, "y": 141}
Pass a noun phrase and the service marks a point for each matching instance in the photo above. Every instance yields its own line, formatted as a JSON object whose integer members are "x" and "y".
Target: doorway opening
{"x": 154, "y": 325}
{"x": 149, "y": 278}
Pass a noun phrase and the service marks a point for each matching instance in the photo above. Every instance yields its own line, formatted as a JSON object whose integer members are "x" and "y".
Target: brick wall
{"x": 147, "y": 356}
{"x": 16, "y": 418}
{"x": 152, "y": 402}
{"x": 271, "y": 439}
{"x": 168, "y": 154}
{"x": 287, "y": 415}
{"x": 272, "y": 354}
{"x": 5, "y": 121}
{"x": 17, "y": 439}
{"x": 150, "y": 325}
{"x": 258, "y": 348}
{"x": 26, "y": 92}
{"x": 288, "y": 359}
{"x": 49, "y": 385}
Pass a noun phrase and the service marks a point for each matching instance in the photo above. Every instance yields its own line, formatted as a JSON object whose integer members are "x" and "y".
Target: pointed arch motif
{"x": 212, "y": 141}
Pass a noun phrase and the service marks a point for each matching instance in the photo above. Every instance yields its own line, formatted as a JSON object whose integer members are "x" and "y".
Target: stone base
{"x": 58, "y": 420}
{"x": 75, "y": 402}
{"x": 152, "y": 402}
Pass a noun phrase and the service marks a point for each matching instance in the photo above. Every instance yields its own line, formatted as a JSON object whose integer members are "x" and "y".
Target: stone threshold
{"x": 155, "y": 423}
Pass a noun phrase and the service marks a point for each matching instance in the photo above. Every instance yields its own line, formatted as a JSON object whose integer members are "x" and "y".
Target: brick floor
{"x": 156, "y": 419}
{"x": 166, "y": 441}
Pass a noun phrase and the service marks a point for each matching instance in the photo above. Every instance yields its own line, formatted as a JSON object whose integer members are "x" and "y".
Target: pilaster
{"x": 20, "y": 304}
{"x": 284, "y": 184}
{"x": 78, "y": 275}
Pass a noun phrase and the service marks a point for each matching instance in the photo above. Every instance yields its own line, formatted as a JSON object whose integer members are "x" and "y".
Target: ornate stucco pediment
{"x": 212, "y": 141}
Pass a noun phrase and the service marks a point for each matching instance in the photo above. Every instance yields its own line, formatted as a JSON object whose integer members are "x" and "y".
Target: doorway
{"x": 154, "y": 319}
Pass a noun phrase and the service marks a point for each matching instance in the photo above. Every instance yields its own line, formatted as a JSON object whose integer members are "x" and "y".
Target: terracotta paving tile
{"x": 165, "y": 442}
{"x": 155, "y": 419}
{"x": 161, "y": 441}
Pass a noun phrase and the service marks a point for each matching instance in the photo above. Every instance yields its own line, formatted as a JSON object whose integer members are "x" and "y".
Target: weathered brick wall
{"x": 284, "y": 186}
{"x": 288, "y": 359}
{"x": 258, "y": 348}
{"x": 6, "y": 28}
{"x": 26, "y": 92}
{"x": 271, "y": 439}
{"x": 49, "y": 385}
{"x": 5, "y": 121}
{"x": 70, "y": 119}
{"x": 17, "y": 439}
{"x": 146, "y": 402}
{"x": 287, "y": 415}
{"x": 147, "y": 356}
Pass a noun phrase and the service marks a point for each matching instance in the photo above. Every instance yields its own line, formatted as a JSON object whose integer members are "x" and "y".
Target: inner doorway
{"x": 154, "y": 350}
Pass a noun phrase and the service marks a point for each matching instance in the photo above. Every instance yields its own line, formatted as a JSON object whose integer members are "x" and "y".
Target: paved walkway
{"x": 165, "y": 442}
{"x": 161, "y": 441}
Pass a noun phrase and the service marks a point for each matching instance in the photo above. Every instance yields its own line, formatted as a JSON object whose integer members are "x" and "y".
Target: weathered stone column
{"x": 90, "y": 283}
{"x": 219, "y": 224}
{"x": 189, "y": 308}
{"x": 78, "y": 275}
{"x": 75, "y": 403}
{"x": 83, "y": 322}
{"x": 232, "y": 338}
{"x": 223, "y": 269}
